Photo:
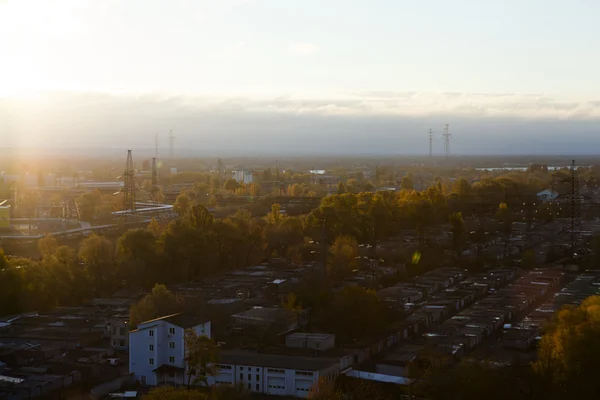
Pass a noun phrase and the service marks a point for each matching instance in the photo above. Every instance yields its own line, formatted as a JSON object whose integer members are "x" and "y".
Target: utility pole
{"x": 154, "y": 190}
{"x": 430, "y": 143}
{"x": 446, "y": 135}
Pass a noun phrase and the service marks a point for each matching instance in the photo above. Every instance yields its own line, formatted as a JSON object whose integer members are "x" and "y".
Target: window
{"x": 151, "y": 332}
{"x": 257, "y": 387}
{"x": 257, "y": 369}
{"x": 115, "y": 342}
{"x": 249, "y": 377}
{"x": 122, "y": 342}
{"x": 172, "y": 359}
{"x": 317, "y": 345}
{"x": 122, "y": 331}
{"x": 171, "y": 345}
{"x": 114, "y": 330}
{"x": 150, "y": 347}
{"x": 171, "y": 331}
{"x": 304, "y": 373}
{"x": 151, "y": 361}
{"x": 241, "y": 376}
{"x": 257, "y": 377}
{"x": 249, "y": 386}
{"x": 275, "y": 371}
{"x": 221, "y": 366}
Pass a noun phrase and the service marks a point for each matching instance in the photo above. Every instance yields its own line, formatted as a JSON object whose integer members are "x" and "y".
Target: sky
{"x": 264, "y": 72}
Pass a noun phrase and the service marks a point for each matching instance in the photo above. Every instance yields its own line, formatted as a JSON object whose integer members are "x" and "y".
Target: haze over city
{"x": 259, "y": 76}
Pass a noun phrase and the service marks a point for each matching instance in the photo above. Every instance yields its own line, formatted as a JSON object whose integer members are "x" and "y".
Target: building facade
{"x": 275, "y": 374}
{"x": 157, "y": 349}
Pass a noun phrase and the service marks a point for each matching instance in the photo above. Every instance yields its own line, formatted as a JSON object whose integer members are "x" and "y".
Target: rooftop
{"x": 240, "y": 357}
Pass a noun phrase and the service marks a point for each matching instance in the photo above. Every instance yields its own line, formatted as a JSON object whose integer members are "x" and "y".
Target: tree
{"x": 341, "y": 188}
{"x": 569, "y": 354}
{"x": 505, "y": 219}
{"x": 97, "y": 253}
{"x": 154, "y": 227}
{"x": 137, "y": 252}
{"x": 458, "y": 230}
{"x": 324, "y": 389}
{"x": 528, "y": 259}
{"x": 407, "y": 182}
{"x": 182, "y": 204}
{"x": 342, "y": 257}
{"x": 231, "y": 184}
{"x": 158, "y": 303}
{"x": 201, "y": 356}
{"x": 47, "y": 246}
{"x": 354, "y": 313}
{"x": 462, "y": 188}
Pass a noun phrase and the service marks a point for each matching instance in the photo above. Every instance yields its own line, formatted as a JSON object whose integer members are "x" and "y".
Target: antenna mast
{"x": 430, "y": 142}
{"x": 447, "y": 137}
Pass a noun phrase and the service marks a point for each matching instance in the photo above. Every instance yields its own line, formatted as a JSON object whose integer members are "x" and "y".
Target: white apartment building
{"x": 157, "y": 348}
{"x": 277, "y": 374}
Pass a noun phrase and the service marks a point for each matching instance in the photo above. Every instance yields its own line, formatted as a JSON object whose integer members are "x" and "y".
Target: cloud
{"x": 361, "y": 123}
{"x": 303, "y": 49}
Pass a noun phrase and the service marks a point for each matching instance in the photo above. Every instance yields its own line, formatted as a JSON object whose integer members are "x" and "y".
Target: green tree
{"x": 324, "y": 389}
{"x": 154, "y": 227}
{"x": 158, "y": 303}
{"x": 182, "y": 204}
{"x": 341, "y": 188}
{"x": 97, "y": 253}
{"x": 201, "y": 358}
{"x": 342, "y": 257}
{"x": 139, "y": 257}
{"x": 462, "y": 188}
{"x": 569, "y": 353}
{"x": 528, "y": 259}
{"x": 231, "y": 184}
{"x": 407, "y": 182}
{"x": 505, "y": 219}
{"x": 458, "y": 230}
{"x": 47, "y": 246}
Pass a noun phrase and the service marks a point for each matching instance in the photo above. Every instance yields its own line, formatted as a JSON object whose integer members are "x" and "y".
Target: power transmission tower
{"x": 430, "y": 142}
{"x": 220, "y": 171}
{"x": 129, "y": 187}
{"x": 171, "y": 144}
{"x": 572, "y": 224}
{"x": 447, "y": 137}
{"x": 155, "y": 189}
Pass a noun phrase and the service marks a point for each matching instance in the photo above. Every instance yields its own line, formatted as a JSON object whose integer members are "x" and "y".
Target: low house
{"x": 274, "y": 374}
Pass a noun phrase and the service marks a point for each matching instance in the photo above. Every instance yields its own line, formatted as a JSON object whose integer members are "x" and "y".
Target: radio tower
{"x": 171, "y": 143}
{"x": 129, "y": 186}
{"x": 430, "y": 142}
{"x": 447, "y": 137}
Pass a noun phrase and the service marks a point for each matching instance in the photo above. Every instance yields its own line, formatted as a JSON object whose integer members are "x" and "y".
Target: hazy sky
{"x": 68, "y": 67}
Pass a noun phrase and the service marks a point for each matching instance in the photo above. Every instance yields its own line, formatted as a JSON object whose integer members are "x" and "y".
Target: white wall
{"x": 164, "y": 334}
{"x": 273, "y": 381}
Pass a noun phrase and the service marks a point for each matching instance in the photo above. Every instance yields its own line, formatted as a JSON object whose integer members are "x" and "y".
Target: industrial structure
{"x": 430, "y": 142}
{"x": 446, "y": 135}
{"x": 129, "y": 185}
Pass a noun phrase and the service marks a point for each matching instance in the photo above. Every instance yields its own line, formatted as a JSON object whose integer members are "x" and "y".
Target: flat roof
{"x": 240, "y": 357}
{"x": 396, "y": 380}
